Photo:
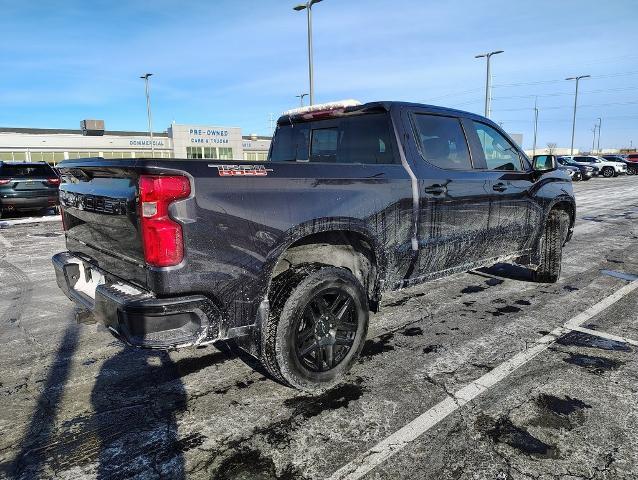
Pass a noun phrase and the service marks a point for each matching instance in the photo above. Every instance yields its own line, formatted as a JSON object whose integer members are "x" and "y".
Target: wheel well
{"x": 567, "y": 208}
{"x": 345, "y": 249}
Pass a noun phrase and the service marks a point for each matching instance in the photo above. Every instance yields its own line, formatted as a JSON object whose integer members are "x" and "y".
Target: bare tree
{"x": 551, "y": 148}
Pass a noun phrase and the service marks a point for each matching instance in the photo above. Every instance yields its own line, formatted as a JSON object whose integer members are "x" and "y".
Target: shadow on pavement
{"x": 38, "y": 436}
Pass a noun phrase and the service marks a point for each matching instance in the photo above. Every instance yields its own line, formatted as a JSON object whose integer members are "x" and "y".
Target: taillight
{"x": 4, "y": 181}
{"x": 53, "y": 181}
{"x": 161, "y": 236}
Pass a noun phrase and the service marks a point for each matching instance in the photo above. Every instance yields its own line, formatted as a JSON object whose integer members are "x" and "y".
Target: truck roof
{"x": 304, "y": 115}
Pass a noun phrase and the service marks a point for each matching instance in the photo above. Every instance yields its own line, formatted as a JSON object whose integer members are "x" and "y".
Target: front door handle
{"x": 499, "y": 187}
{"x": 436, "y": 189}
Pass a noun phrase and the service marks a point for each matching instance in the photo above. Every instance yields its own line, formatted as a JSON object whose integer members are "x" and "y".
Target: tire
{"x": 631, "y": 171}
{"x": 608, "y": 172}
{"x": 586, "y": 179}
{"x": 551, "y": 247}
{"x": 316, "y": 328}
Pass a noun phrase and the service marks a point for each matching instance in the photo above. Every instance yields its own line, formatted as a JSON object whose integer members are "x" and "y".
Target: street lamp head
{"x": 578, "y": 78}
{"x": 481, "y": 55}
{"x": 497, "y": 51}
{"x": 303, "y": 6}
{"x": 146, "y": 75}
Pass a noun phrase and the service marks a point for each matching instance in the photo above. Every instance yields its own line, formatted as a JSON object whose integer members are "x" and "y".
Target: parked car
{"x": 573, "y": 172}
{"x": 27, "y": 186}
{"x": 607, "y": 168}
{"x": 586, "y": 171}
{"x": 288, "y": 256}
{"x": 630, "y": 160}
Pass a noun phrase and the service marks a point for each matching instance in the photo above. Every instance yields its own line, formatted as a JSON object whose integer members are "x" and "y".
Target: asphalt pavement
{"x": 483, "y": 375}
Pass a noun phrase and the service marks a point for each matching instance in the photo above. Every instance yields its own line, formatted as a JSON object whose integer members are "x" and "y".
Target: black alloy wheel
{"x": 608, "y": 172}
{"x": 326, "y": 331}
{"x": 316, "y": 326}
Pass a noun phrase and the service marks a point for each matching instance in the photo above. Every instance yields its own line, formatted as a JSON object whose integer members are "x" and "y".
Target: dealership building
{"x": 178, "y": 141}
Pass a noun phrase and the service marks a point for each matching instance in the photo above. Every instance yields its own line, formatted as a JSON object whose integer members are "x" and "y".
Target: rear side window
{"x": 26, "y": 171}
{"x": 500, "y": 154}
{"x": 356, "y": 139}
{"x": 442, "y": 142}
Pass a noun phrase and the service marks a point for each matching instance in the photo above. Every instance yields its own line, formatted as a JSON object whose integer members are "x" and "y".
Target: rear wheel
{"x": 316, "y": 328}
{"x": 631, "y": 170}
{"x": 551, "y": 247}
{"x": 608, "y": 172}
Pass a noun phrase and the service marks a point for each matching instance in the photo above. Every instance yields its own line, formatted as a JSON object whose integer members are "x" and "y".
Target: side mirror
{"x": 544, "y": 163}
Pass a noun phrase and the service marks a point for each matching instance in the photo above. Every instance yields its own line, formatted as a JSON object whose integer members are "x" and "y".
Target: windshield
{"x": 26, "y": 171}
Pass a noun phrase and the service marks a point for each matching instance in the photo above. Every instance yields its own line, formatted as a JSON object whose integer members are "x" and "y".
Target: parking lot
{"x": 484, "y": 375}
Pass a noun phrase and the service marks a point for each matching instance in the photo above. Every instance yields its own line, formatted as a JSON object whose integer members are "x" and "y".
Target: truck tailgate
{"x": 100, "y": 215}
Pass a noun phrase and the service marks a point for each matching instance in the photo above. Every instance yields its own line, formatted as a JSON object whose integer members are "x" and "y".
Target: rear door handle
{"x": 499, "y": 187}
{"x": 436, "y": 189}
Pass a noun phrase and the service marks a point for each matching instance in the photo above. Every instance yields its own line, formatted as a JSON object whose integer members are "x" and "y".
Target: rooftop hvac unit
{"x": 92, "y": 128}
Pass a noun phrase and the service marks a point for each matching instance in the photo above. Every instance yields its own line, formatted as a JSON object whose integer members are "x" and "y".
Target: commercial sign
{"x": 142, "y": 142}
{"x": 202, "y": 135}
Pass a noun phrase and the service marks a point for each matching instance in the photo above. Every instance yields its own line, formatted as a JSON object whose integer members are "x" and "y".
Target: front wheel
{"x": 551, "y": 247}
{"x": 631, "y": 171}
{"x": 608, "y": 172}
{"x": 316, "y": 328}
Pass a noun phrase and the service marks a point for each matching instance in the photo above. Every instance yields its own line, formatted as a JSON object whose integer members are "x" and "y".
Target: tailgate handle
{"x": 436, "y": 189}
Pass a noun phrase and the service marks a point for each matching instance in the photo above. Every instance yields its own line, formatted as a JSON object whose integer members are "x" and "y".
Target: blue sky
{"x": 234, "y": 63}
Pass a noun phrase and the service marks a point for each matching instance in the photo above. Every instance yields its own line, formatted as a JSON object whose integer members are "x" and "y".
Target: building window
{"x": 58, "y": 157}
{"x": 6, "y": 156}
{"x": 250, "y": 156}
{"x": 225, "y": 153}
{"x": 210, "y": 152}
{"x": 194, "y": 152}
{"x": 262, "y": 156}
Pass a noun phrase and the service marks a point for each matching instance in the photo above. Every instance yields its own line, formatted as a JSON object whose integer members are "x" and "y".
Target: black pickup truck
{"x": 287, "y": 257}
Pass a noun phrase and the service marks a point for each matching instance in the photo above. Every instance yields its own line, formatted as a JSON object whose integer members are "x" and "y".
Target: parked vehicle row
{"x": 606, "y": 168}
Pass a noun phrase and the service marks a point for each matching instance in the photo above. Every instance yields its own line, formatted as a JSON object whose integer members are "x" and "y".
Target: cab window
{"x": 500, "y": 154}
{"x": 442, "y": 142}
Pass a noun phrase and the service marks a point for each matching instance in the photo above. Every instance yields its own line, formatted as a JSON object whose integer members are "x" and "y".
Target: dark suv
{"x": 28, "y": 186}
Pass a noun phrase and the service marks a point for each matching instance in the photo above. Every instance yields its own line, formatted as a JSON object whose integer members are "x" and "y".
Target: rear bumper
{"x": 28, "y": 203}
{"x": 133, "y": 315}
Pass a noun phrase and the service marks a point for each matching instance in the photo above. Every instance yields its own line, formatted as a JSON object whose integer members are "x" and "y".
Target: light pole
{"x": 308, "y": 7}
{"x": 146, "y": 76}
{"x": 593, "y": 142}
{"x": 575, "y": 104}
{"x": 488, "y": 81}
{"x": 600, "y": 122}
{"x": 300, "y": 97}
{"x": 535, "y": 125}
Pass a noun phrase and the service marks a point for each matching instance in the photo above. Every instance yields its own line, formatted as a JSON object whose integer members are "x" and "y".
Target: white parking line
{"x": 400, "y": 439}
{"x": 607, "y": 336}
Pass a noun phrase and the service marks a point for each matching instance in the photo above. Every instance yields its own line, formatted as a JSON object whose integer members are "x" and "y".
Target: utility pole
{"x": 146, "y": 76}
{"x": 593, "y": 142}
{"x": 535, "y": 124}
{"x": 488, "y": 81}
{"x": 600, "y": 122}
{"x": 308, "y": 8}
{"x": 575, "y": 105}
{"x": 300, "y": 97}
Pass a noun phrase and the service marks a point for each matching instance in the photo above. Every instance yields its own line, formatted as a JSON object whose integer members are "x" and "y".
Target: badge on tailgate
{"x": 241, "y": 170}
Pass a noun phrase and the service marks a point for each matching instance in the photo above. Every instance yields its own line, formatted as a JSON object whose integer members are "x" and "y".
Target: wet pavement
{"x": 76, "y": 404}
